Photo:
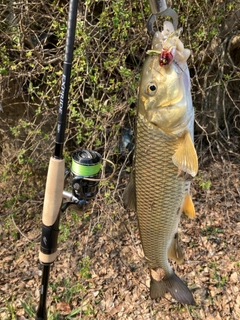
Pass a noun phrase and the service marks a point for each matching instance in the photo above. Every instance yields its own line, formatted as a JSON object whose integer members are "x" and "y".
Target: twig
{"x": 120, "y": 172}
{"x": 22, "y": 234}
{"x": 209, "y": 142}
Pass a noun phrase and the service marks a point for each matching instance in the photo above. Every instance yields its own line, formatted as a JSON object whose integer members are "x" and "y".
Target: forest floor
{"x": 100, "y": 271}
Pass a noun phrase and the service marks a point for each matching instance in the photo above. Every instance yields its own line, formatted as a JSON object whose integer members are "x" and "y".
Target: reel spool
{"x": 85, "y": 168}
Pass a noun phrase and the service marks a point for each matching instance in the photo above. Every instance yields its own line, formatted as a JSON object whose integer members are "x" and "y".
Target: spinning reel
{"x": 84, "y": 178}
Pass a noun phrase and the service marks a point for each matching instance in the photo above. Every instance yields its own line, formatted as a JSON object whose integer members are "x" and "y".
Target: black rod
{"x": 67, "y": 65}
{"x": 55, "y": 177}
{"x": 42, "y": 308}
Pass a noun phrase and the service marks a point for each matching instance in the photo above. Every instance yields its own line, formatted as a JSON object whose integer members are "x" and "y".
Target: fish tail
{"x": 173, "y": 284}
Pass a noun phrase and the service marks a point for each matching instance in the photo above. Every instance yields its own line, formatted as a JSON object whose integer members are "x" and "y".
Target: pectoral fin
{"x": 175, "y": 251}
{"x": 185, "y": 158}
{"x": 188, "y": 207}
{"x": 129, "y": 194}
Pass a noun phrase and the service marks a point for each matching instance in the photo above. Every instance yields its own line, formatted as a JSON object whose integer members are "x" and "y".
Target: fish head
{"x": 163, "y": 99}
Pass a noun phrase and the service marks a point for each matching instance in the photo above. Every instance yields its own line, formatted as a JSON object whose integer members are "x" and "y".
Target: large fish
{"x": 165, "y": 160}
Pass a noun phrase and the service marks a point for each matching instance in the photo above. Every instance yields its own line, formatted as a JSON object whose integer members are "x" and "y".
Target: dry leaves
{"x": 118, "y": 285}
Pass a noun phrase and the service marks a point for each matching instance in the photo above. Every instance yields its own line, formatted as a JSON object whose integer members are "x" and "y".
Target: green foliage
{"x": 64, "y": 231}
{"x": 217, "y": 277}
{"x": 28, "y": 308}
{"x": 109, "y": 50}
{"x": 10, "y": 308}
{"x": 73, "y": 313}
{"x": 51, "y": 315}
{"x": 70, "y": 290}
{"x": 204, "y": 184}
{"x": 84, "y": 271}
{"x": 212, "y": 231}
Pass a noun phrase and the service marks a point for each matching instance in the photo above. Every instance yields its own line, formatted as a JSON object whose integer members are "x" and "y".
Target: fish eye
{"x": 151, "y": 88}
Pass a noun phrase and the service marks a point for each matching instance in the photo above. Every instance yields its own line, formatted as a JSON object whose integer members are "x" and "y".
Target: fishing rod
{"x": 83, "y": 174}
{"x": 55, "y": 177}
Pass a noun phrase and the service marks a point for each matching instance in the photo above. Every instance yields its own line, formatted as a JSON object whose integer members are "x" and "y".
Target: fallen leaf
{"x": 63, "y": 306}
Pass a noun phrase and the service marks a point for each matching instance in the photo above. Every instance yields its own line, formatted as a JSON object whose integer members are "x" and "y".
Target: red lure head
{"x": 166, "y": 57}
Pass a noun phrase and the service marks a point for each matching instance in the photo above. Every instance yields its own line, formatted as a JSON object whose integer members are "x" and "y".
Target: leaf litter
{"x": 101, "y": 273}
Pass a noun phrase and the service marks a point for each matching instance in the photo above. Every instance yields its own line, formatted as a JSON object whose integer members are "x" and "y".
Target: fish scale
{"x": 159, "y": 192}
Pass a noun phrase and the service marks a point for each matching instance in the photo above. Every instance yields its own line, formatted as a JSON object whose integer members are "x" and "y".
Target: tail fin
{"x": 173, "y": 284}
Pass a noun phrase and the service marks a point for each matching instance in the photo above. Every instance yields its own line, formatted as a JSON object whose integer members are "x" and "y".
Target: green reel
{"x": 85, "y": 168}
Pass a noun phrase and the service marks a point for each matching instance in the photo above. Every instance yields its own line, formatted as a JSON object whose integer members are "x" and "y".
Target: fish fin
{"x": 185, "y": 158}
{"x": 175, "y": 250}
{"x": 178, "y": 290}
{"x": 157, "y": 288}
{"x": 129, "y": 194}
{"x": 188, "y": 207}
{"x": 173, "y": 284}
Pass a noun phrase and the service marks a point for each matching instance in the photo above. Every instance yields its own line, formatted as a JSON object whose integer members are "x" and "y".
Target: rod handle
{"x": 51, "y": 209}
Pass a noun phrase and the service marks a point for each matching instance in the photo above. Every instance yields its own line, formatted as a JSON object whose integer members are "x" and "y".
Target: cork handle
{"x": 53, "y": 191}
{"x": 51, "y": 209}
{"x": 47, "y": 258}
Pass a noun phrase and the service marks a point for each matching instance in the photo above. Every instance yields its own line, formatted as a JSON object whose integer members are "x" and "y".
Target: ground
{"x": 100, "y": 271}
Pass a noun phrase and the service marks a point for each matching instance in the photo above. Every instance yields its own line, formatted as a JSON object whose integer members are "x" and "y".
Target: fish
{"x": 165, "y": 160}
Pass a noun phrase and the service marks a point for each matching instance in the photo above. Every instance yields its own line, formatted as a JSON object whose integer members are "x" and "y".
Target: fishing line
{"x": 105, "y": 178}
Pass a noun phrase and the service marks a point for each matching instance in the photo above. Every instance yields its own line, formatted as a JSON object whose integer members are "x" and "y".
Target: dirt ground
{"x": 100, "y": 271}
